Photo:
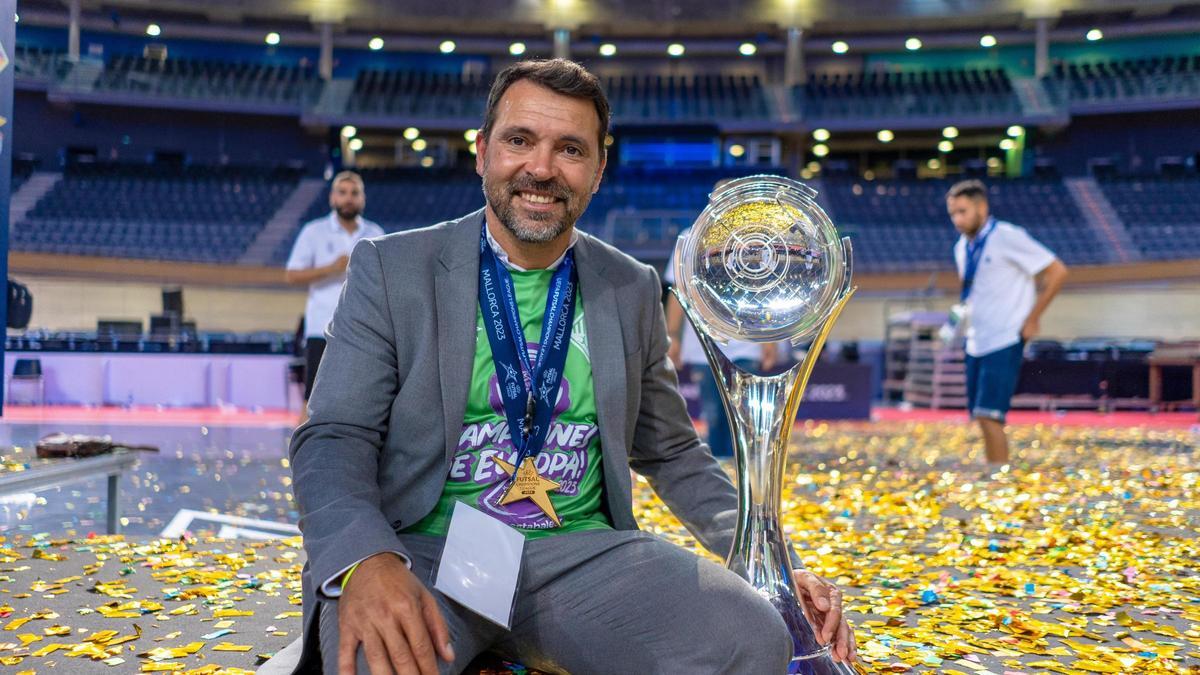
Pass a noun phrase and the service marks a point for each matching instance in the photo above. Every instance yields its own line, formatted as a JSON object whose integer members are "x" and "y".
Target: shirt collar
{"x": 502, "y": 255}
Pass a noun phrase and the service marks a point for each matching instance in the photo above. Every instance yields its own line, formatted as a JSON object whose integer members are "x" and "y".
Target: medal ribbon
{"x": 529, "y": 391}
{"x": 974, "y": 256}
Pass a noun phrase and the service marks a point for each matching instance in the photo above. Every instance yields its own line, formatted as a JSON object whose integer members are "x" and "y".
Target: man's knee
{"x": 765, "y": 642}
{"x": 755, "y": 638}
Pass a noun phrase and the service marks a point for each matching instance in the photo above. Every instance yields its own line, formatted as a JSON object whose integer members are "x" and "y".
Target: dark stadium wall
{"x": 133, "y": 134}
{"x": 1132, "y": 141}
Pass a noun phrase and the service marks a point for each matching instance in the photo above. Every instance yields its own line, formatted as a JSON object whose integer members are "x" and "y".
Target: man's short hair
{"x": 558, "y": 75}
{"x": 972, "y": 189}
{"x": 348, "y": 176}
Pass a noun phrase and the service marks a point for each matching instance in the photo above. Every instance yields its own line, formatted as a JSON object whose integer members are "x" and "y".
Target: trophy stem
{"x": 762, "y": 410}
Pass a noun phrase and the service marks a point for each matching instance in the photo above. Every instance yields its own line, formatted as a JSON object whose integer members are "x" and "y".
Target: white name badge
{"x": 481, "y": 564}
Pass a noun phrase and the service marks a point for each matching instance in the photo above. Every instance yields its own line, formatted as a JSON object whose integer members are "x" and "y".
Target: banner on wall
{"x": 836, "y": 391}
{"x": 8, "y": 50}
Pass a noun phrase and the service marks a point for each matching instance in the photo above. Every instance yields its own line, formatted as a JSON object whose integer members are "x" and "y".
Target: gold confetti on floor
{"x": 1082, "y": 556}
{"x": 138, "y": 592}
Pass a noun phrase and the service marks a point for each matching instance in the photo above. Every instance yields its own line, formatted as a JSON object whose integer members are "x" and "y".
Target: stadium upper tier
{"x": 961, "y": 93}
{"x": 1104, "y": 83}
{"x": 396, "y": 98}
{"x": 216, "y": 214}
{"x": 211, "y": 81}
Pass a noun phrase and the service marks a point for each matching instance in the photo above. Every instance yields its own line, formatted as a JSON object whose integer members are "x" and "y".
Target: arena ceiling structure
{"x": 627, "y": 18}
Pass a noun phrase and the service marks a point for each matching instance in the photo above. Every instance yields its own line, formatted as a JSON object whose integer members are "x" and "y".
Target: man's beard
{"x": 534, "y": 227}
{"x": 348, "y": 212}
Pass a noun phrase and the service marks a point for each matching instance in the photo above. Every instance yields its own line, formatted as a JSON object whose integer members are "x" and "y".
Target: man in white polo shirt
{"x": 319, "y": 258}
{"x": 999, "y": 264}
{"x": 686, "y": 349}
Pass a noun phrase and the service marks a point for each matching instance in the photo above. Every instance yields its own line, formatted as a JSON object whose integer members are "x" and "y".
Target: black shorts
{"x": 314, "y": 347}
{"x": 992, "y": 381}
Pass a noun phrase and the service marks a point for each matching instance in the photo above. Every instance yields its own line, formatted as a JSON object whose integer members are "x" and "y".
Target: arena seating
{"x": 903, "y": 226}
{"x": 1154, "y": 78}
{"x": 918, "y": 93}
{"x": 38, "y": 64}
{"x": 203, "y": 214}
{"x": 1161, "y": 214}
{"x": 256, "y": 83}
{"x": 687, "y": 97}
{"x": 419, "y": 94}
{"x": 426, "y": 94}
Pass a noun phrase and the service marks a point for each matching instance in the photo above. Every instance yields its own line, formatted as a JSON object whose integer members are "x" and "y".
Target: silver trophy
{"x": 764, "y": 263}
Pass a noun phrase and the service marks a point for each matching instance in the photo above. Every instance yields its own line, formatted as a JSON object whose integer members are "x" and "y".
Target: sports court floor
{"x": 1082, "y": 557}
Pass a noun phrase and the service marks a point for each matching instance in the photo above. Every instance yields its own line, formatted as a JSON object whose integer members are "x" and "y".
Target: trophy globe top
{"x": 762, "y": 262}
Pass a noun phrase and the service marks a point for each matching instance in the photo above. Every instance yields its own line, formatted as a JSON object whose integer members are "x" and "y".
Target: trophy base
{"x": 820, "y": 663}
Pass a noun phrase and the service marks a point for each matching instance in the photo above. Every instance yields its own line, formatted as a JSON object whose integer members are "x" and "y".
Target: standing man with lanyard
{"x": 503, "y": 372}
{"x": 318, "y": 260}
{"x": 999, "y": 264}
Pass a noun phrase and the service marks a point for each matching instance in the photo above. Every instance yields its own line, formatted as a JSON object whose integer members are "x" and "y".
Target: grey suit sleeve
{"x": 667, "y": 450}
{"x": 335, "y": 455}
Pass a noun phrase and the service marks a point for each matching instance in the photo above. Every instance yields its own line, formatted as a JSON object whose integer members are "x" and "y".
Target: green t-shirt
{"x": 570, "y": 456}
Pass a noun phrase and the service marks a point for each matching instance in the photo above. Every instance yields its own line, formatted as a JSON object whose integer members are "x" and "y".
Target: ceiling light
{"x": 994, "y": 162}
{"x": 153, "y": 30}
{"x": 747, "y": 49}
{"x": 472, "y": 148}
{"x": 885, "y": 135}
{"x": 447, "y": 46}
{"x": 375, "y": 44}
{"x": 1095, "y": 34}
{"x": 419, "y": 145}
{"x": 412, "y": 133}
{"x": 945, "y": 146}
{"x": 813, "y": 166}
{"x": 1016, "y": 130}
{"x": 1007, "y": 144}
{"x": 987, "y": 41}
{"x": 426, "y": 162}
{"x": 675, "y": 49}
{"x": 470, "y": 135}
{"x": 356, "y": 144}
{"x": 950, "y": 132}
{"x": 912, "y": 44}
{"x": 516, "y": 48}
{"x": 840, "y": 47}
{"x": 349, "y": 131}
{"x": 820, "y": 135}
{"x": 737, "y": 150}
{"x": 272, "y": 38}
{"x": 608, "y": 49}
{"x": 820, "y": 150}
{"x": 934, "y": 164}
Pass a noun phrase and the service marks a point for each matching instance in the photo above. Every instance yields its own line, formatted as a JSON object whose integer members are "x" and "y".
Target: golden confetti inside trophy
{"x": 764, "y": 263}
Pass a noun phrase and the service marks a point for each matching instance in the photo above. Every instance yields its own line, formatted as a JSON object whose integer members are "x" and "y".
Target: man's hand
{"x": 338, "y": 266}
{"x": 387, "y": 610}
{"x": 822, "y": 604}
{"x": 1030, "y": 329}
{"x": 675, "y": 353}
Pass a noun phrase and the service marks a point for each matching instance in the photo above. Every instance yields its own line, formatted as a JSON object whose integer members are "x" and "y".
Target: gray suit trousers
{"x": 609, "y": 602}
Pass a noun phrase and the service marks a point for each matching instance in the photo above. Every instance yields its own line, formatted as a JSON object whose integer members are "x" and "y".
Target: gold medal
{"x": 529, "y": 484}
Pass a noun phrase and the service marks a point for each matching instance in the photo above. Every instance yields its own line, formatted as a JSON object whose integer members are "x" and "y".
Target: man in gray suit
{"x": 409, "y": 416}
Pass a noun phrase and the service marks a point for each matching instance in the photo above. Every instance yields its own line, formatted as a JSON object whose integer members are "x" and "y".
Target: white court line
{"x": 183, "y": 519}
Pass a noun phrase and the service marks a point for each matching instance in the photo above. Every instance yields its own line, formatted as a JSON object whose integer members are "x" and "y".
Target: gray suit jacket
{"x": 388, "y": 405}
